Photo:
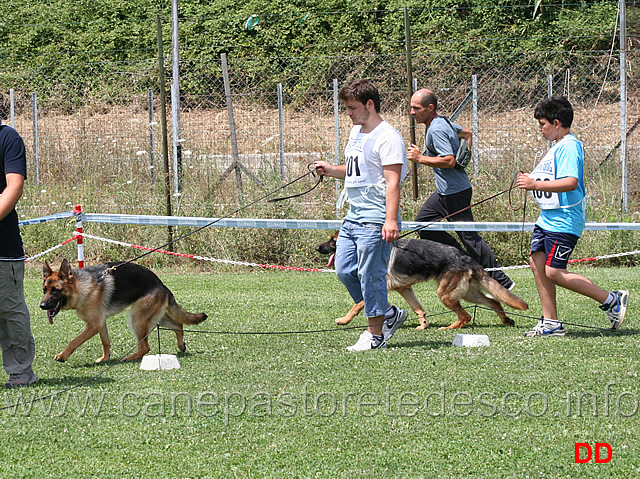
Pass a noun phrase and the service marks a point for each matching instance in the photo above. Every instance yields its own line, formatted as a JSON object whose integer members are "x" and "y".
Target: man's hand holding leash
{"x": 390, "y": 229}
{"x": 333, "y": 171}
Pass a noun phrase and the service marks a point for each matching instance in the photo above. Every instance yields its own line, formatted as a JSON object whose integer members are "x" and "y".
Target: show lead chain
{"x": 348, "y": 328}
{"x": 310, "y": 172}
{"x": 465, "y": 208}
{"x": 297, "y": 195}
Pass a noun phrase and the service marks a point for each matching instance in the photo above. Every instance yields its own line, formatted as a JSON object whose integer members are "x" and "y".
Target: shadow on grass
{"x": 116, "y": 362}
{"x": 469, "y": 328}
{"x": 98, "y": 366}
{"x": 592, "y": 333}
{"x": 189, "y": 353}
{"x": 420, "y": 344}
{"x": 68, "y": 381}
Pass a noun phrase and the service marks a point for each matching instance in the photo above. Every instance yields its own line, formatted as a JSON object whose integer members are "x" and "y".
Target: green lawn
{"x": 300, "y": 405}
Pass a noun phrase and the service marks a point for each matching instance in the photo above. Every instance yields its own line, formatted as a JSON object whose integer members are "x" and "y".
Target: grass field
{"x": 300, "y": 405}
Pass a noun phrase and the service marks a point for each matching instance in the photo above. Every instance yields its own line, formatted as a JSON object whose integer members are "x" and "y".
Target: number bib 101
{"x": 357, "y": 173}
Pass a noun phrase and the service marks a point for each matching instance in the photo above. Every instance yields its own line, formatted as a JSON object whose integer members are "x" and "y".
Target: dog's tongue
{"x": 331, "y": 260}
{"x": 50, "y": 315}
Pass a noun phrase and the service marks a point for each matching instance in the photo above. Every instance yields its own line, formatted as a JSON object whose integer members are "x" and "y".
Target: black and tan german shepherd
{"x": 98, "y": 292}
{"x": 457, "y": 275}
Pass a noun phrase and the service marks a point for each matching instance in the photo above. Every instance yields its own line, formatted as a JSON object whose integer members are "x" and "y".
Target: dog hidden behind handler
{"x": 453, "y": 188}
{"x": 16, "y": 339}
{"x": 375, "y": 164}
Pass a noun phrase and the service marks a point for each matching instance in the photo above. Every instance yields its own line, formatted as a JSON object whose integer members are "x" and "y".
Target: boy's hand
{"x": 525, "y": 182}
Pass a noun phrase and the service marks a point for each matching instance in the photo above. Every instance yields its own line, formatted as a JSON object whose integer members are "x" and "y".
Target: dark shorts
{"x": 556, "y": 246}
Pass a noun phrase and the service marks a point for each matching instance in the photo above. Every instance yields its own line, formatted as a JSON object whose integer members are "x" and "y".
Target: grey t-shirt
{"x": 441, "y": 139}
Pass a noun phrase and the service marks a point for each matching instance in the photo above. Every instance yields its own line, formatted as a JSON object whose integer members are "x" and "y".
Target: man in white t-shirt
{"x": 375, "y": 164}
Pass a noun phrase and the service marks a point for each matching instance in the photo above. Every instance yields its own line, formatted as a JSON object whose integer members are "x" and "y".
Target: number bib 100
{"x": 545, "y": 171}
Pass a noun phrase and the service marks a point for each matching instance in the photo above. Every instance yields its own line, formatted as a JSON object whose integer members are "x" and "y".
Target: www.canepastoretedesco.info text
{"x": 610, "y": 401}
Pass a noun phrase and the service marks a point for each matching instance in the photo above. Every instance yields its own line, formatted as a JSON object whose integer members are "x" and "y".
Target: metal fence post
{"x": 34, "y": 106}
{"x": 152, "y": 139}
{"x": 175, "y": 133}
{"x": 12, "y": 107}
{"x": 281, "y": 128}
{"x": 236, "y": 165}
{"x": 336, "y": 133}
{"x": 623, "y": 104}
{"x": 476, "y": 151}
{"x": 165, "y": 142}
{"x": 412, "y": 123}
{"x": 175, "y": 99}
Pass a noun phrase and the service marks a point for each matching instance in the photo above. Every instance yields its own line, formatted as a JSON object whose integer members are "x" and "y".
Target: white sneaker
{"x": 546, "y": 329}
{"x": 617, "y": 310}
{"x": 368, "y": 341}
{"x": 392, "y": 324}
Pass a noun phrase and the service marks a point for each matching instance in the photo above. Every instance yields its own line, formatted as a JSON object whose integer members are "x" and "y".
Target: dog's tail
{"x": 180, "y": 316}
{"x": 502, "y": 294}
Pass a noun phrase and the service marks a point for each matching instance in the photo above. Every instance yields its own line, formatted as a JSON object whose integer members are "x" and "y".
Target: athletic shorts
{"x": 556, "y": 246}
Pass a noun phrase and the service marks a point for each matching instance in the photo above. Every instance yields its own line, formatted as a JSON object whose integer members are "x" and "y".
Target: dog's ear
{"x": 65, "y": 269}
{"x": 334, "y": 238}
{"x": 46, "y": 269}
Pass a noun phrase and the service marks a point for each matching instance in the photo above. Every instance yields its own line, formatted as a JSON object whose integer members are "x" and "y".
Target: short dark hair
{"x": 555, "y": 108}
{"x": 361, "y": 90}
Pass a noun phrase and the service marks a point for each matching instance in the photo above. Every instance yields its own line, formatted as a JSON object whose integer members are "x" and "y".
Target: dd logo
{"x": 589, "y": 452}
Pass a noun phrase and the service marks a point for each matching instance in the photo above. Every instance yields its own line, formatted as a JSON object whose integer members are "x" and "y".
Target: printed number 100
{"x": 540, "y": 194}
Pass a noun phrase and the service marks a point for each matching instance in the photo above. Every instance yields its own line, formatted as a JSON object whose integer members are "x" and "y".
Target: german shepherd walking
{"x": 97, "y": 292}
{"x": 457, "y": 275}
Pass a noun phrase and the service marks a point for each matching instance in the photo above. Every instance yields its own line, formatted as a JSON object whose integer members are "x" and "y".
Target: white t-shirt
{"x": 365, "y": 156}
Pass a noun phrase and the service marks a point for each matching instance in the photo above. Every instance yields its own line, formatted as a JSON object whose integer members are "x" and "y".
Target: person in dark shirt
{"x": 16, "y": 339}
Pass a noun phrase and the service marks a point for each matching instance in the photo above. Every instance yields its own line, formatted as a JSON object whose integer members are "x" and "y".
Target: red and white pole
{"x": 78, "y": 212}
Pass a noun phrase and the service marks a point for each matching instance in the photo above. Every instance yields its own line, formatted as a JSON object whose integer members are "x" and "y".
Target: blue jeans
{"x": 361, "y": 264}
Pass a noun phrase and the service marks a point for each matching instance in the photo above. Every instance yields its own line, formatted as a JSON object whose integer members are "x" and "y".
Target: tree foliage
{"x": 127, "y": 30}
{"x": 287, "y": 38}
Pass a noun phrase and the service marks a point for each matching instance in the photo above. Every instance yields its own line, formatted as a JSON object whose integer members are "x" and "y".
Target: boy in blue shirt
{"x": 557, "y": 185}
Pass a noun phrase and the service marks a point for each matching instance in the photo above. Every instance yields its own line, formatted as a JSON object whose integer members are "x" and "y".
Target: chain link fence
{"x": 96, "y": 124}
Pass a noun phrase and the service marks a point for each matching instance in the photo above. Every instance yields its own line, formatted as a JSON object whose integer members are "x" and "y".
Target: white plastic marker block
{"x": 155, "y": 362}
{"x": 471, "y": 340}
